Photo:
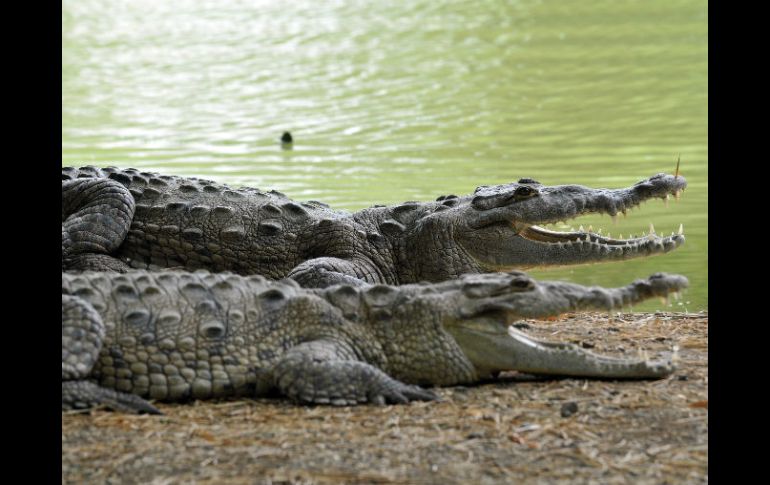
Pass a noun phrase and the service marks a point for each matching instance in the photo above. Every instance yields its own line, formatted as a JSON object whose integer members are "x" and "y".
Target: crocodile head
{"x": 459, "y": 331}
{"x": 502, "y": 227}
{"x": 486, "y": 305}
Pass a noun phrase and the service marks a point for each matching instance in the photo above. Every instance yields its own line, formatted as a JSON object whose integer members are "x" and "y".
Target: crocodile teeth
{"x": 590, "y": 228}
{"x": 681, "y": 229}
{"x": 665, "y": 200}
{"x": 581, "y": 228}
{"x": 652, "y": 228}
{"x": 677, "y": 194}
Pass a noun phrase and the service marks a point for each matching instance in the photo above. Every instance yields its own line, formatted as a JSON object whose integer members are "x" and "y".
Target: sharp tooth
{"x": 590, "y": 228}
{"x": 681, "y": 229}
{"x": 614, "y": 219}
{"x": 609, "y": 236}
{"x": 621, "y": 237}
{"x": 571, "y": 229}
{"x": 665, "y": 201}
{"x": 677, "y": 194}
{"x": 599, "y": 231}
{"x": 587, "y": 239}
{"x": 652, "y": 229}
{"x": 581, "y": 228}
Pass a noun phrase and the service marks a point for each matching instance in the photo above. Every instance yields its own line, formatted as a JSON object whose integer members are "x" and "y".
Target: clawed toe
{"x": 86, "y": 395}
{"x": 404, "y": 394}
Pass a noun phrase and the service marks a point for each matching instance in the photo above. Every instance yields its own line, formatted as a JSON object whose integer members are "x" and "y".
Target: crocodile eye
{"x": 522, "y": 283}
{"x": 524, "y": 192}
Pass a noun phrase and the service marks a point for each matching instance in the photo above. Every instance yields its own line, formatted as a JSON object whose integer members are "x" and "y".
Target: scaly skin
{"x": 178, "y": 222}
{"x": 174, "y": 336}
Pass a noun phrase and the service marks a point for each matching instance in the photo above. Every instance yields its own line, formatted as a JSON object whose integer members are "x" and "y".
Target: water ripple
{"x": 393, "y": 101}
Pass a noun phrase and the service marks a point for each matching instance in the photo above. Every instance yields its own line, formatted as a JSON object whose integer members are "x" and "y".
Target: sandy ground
{"x": 516, "y": 430}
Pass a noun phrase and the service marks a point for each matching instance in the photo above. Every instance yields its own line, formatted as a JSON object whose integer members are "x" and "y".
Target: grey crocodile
{"x": 175, "y": 336}
{"x": 118, "y": 219}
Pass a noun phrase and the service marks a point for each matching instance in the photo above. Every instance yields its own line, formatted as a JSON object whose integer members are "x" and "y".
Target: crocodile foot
{"x": 325, "y": 372}
{"x": 86, "y": 395}
{"x": 94, "y": 262}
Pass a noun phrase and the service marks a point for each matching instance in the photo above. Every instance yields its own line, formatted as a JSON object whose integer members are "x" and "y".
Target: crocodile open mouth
{"x": 514, "y": 225}
{"x": 541, "y": 234}
{"x": 504, "y": 246}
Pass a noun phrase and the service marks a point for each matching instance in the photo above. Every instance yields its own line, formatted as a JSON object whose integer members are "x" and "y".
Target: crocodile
{"x": 117, "y": 219}
{"x": 177, "y": 336}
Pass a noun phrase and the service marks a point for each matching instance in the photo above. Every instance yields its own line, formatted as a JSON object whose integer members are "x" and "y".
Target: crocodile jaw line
{"x": 511, "y": 350}
{"x": 521, "y": 246}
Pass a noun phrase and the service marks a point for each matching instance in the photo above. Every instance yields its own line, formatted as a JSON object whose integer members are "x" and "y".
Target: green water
{"x": 396, "y": 101}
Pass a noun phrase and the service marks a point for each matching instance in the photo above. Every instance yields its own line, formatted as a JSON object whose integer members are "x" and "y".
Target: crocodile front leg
{"x": 82, "y": 333}
{"x": 96, "y": 216}
{"x": 328, "y": 271}
{"x": 326, "y": 372}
